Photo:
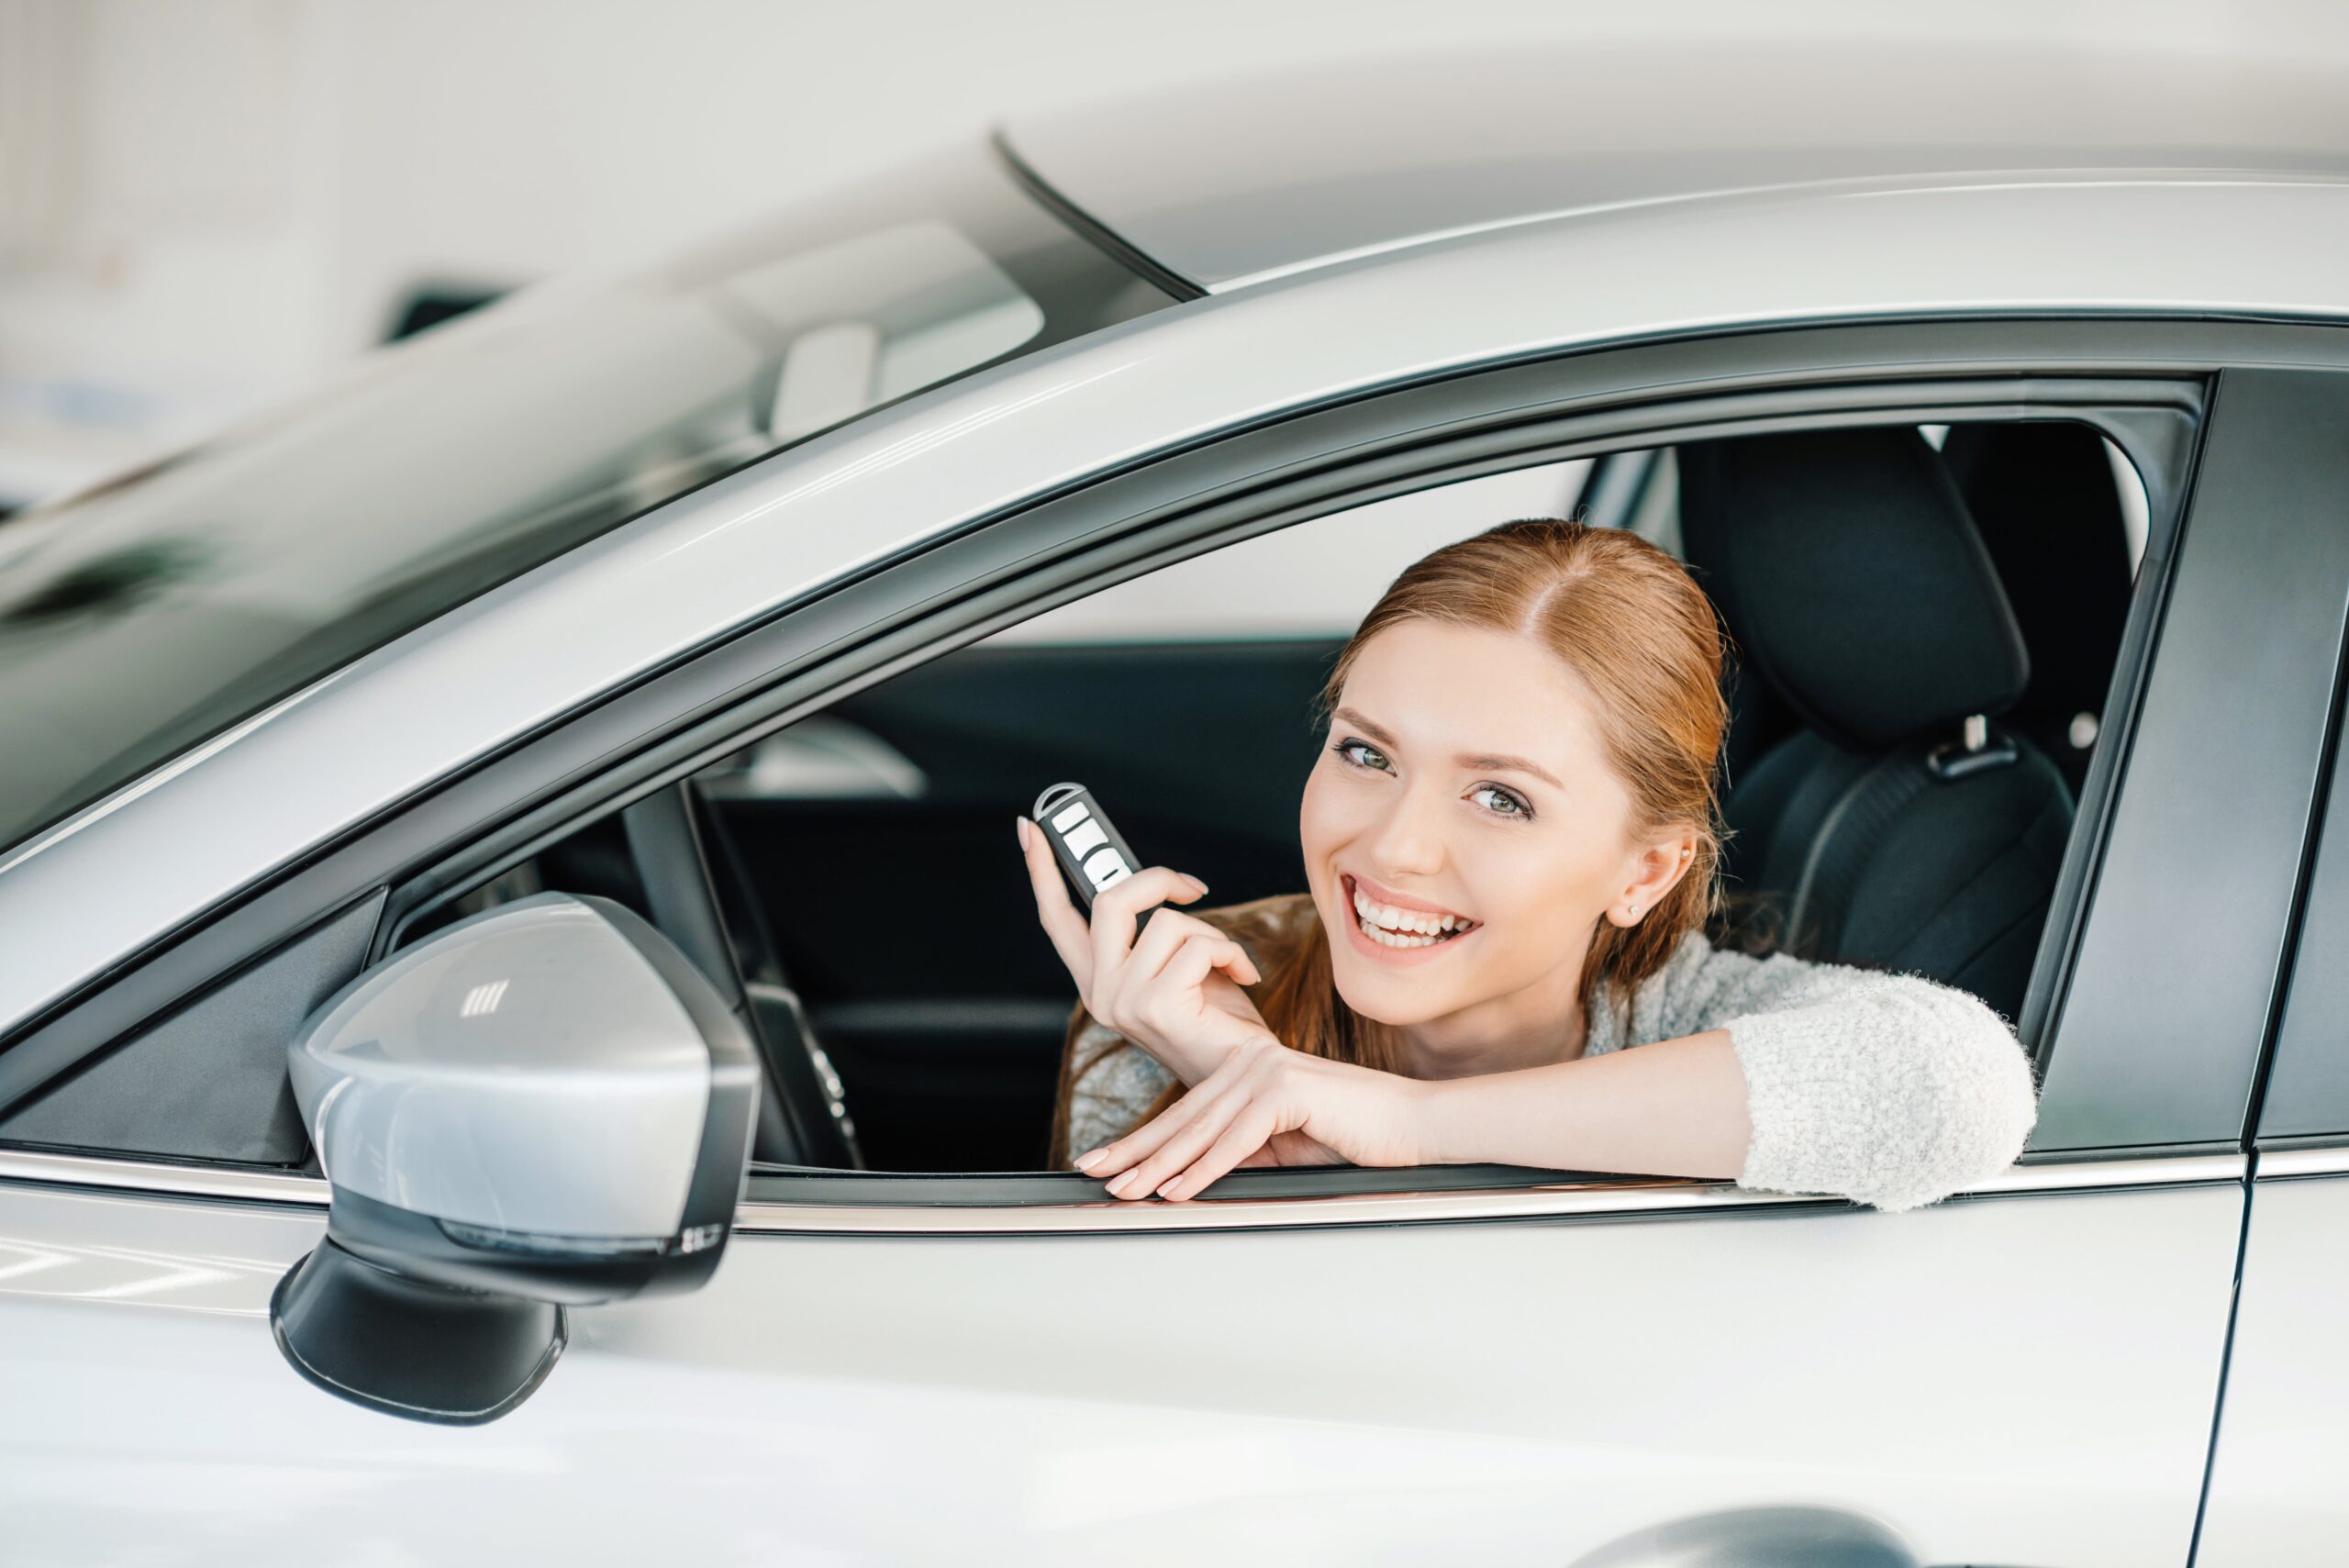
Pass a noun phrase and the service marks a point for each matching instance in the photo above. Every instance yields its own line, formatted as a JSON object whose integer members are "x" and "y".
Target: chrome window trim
{"x": 2285, "y": 1163}
{"x": 156, "y": 1178}
{"x": 1658, "y": 1197}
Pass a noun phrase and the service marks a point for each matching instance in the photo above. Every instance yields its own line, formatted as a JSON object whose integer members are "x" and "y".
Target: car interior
{"x": 853, "y": 884}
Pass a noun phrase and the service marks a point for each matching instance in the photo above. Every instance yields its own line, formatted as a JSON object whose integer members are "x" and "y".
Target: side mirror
{"x": 545, "y": 1105}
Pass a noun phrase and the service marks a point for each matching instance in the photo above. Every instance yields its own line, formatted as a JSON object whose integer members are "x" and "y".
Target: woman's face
{"x": 1463, "y": 776}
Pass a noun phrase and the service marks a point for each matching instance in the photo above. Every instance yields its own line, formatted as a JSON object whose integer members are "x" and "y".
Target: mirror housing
{"x": 543, "y": 1106}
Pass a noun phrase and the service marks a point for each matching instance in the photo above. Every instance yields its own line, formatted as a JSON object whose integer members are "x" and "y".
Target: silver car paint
{"x": 527, "y": 1069}
{"x": 2023, "y": 1380}
{"x": 394, "y": 722}
{"x": 2277, "y": 1484}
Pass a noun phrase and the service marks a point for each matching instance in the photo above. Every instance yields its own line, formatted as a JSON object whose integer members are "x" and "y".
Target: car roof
{"x": 1233, "y": 183}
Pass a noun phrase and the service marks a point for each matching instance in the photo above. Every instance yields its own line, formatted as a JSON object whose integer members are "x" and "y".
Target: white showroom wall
{"x": 205, "y": 204}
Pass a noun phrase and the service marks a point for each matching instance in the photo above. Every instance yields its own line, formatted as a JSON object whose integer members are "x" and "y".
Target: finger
{"x": 1151, "y": 885}
{"x": 1246, "y": 1133}
{"x": 1063, "y": 921}
{"x": 1116, "y": 911}
{"x": 1159, "y": 943}
{"x": 1176, "y": 1155}
{"x": 1201, "y": 956}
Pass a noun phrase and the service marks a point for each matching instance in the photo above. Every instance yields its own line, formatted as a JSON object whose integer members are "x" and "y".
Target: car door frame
{"x": 971, "y": 580}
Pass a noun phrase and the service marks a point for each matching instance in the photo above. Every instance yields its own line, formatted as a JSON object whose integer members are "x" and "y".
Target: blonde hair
{"x": 1644, "y": 639}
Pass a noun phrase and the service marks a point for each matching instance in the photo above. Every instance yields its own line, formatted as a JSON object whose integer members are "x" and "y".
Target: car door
{"x": 1337, "y": 1365}
{"x": 2275, "y": 1492}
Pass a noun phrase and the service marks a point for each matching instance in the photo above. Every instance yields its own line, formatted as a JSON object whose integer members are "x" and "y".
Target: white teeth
{"x": 1385, "y": 924}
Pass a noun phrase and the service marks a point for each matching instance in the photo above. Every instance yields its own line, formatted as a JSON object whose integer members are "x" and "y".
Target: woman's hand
{"x": 1176, "y": 991}
{"x": 1267, "y": 1104}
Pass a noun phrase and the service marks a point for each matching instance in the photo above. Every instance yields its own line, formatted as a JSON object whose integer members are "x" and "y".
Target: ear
{"x": 1654, "y": 867}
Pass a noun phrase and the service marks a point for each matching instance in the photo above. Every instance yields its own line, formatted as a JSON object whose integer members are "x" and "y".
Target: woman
{"x": 1512, "y": 839}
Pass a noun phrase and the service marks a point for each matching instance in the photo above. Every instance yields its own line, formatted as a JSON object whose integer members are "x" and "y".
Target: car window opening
{"x": 946, "y": 1045}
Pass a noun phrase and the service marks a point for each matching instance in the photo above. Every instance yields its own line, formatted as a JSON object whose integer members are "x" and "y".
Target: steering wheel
{"x": 803, "y": 1117}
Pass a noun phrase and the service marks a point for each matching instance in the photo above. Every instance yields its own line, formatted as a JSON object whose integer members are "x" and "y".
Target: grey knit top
{"x": 1892, "y": 1090}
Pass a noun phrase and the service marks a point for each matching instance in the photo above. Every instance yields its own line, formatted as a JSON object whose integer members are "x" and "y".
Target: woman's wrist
{"x": 1484, "y": 1119}
{"x": 1444, "y": 1135}
{"x": 1192, "y": 1064}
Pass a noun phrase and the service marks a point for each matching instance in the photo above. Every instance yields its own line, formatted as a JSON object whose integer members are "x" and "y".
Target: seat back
{"x": 1898, "y": 827}
{"x": 2047, "y": 502}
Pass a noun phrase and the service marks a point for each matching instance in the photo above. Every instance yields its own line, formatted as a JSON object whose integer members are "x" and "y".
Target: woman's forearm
{"x": 1676, "y": 1108}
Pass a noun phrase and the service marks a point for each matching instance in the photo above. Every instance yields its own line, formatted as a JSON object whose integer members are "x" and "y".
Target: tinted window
{"x": 138, "y": 619}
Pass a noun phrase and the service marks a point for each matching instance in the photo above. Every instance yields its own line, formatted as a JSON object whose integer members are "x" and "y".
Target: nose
{"x": 1407, "y": 842}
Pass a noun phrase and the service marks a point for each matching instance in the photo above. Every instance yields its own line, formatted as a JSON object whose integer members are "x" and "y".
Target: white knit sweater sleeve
{"x": 1893, "y": 1090}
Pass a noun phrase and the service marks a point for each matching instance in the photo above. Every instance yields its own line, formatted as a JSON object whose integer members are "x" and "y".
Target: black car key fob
{"x": 1093, "y": 855}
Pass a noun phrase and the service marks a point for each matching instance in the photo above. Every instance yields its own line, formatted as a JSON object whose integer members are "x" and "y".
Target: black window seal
{"x": 612, "y": 737}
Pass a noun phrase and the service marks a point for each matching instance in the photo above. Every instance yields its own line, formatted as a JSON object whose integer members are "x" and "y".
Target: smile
{"x": 1392, "y": 926}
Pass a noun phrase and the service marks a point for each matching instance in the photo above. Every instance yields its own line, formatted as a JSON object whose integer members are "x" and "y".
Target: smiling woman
{"x": 1515, "y": 826}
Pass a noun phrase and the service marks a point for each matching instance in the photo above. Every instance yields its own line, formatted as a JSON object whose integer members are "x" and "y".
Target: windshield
{"x": 147, "y": 615}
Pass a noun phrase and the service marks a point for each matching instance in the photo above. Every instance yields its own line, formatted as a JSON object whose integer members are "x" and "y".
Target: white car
{"x": 523, "y": 1033}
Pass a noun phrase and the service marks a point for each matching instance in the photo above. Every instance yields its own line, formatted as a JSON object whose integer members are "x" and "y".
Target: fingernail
{"x": 1118, "y": 1188}
{"x": 1195, "y": 882}
{"x": 1090, "y": 1158}
{"x": 1023, "y": 832}
{"x": 1166, "y": 1187}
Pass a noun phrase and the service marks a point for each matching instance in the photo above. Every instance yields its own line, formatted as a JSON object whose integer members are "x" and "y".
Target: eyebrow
{"x": 1494, "y": 762}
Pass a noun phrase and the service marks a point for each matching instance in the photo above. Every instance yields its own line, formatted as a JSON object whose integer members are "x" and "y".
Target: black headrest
{"x": 2046, "y": 498}
{"x": 1852, "y": 579}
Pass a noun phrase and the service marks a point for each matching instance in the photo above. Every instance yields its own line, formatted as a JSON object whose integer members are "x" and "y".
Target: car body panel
{"x": 1230, "y": 183}
{"x": 1152, "y": 1398}
{"x": 413, "y": 713}
{"x": 2275, "y": 1471}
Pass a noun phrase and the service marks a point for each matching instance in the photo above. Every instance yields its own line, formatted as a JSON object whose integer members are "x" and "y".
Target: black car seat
{"x": 1898, "y": 827}
{"x": 2048, "y": 506}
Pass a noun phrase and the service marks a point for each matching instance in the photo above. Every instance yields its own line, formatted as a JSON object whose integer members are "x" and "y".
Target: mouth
{"x": 1400, "y": 929}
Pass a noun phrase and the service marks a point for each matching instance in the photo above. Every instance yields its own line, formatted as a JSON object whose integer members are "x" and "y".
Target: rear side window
{"x": 145, "y": 617}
